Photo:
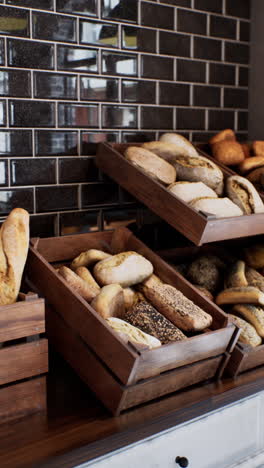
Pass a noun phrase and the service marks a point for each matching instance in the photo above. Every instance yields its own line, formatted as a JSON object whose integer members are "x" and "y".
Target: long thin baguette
{"x": 241, "y": 295}
{"x": 85, "y": 290}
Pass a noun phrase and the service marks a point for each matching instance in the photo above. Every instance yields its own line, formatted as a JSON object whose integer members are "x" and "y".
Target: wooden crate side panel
{"x": 22, "y": 361}
{"x": 226, "y": 228}
{"x": 252, "y": 358}
{"x": 24, "y": 318}
{"x": 22, "y": 399}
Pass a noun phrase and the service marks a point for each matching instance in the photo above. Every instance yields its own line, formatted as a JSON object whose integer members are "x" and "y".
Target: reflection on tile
{"x": 33, "y": 171}
{"x": 98, "y": 89}
{"x": 139, "y": 39}
{"x": 30, "y": 54}
{"x": 55, "y": 85}
{"x": 81, "y": 7}
{"x": 99, "y": 194}
{"x": 2, "y": 113}
{"x": 42, "y": 4}
{"x": 77, "y": 170}
{"x": 138, "y": 137}
{"x": 138, "y": 91}
{"x": 120, "y": 9}
{"x": 77, "y": 58}
{"x": 42, "y": 225}
{"x": 157, "y": 117}
{"x": 15, "y": 83}
{"x": 14, "y": 22}
{"x": 54, "y": 143}
{"x": 31, "y": 114}
{"x": 157, "y": 67}
{"x": 16, "y": 198}
{"x": 115, "y": 218}
{"x": 119, "y": 64}
{"x": 79, "y": 222}
{"x": 96, "y": 33}
{"x": 3, "y": 172}
{"x": 78, "y": 115}
{"x": 56, "y": 198}
{"x": 54, "y": 27}
{"x": 90, "y": 140}
{"x": 16, "y": 142}
{"x": 119, "y": 116}
{"x": 2, "y": 52}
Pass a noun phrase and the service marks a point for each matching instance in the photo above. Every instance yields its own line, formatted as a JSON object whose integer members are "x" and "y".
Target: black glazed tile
{"x": 39, "y": 4}
{"x": 16, "y": 198}
{"x": 89, "y": 141}
{"x": 30, "y": 54}
{"x": 2, "y": 51}
{"x": 238, "y": 53}
{"x": 56, "y": 143}
{"x": 77, "y": 59}
{"x": 98, "y": 89}
{"x": 243, "y": 76}
{"x": 14, "y": 21}
{"x": 223, "y": 27}
{"x": 206, "y": 96}
{"x": 2, "y": 113}
{"x": 190, "y": 119}
{"x": 79, "y": 222}
{"x": 119, "y": 116}
{"x": 16, "y": 142}
{"x": 138, "y": 137}
{"x": 118, "y": 217}
{"x": 31, "y": 113}
{"x": 120, "y": 10}
{"x": 55, "y": 85}
{"x": 78, "y": 115}
{"x": 139, "y": 91}
{"x": 99, "y": 194}
{"x": 244, "y": 31}
{"x": 15, "y": 83}
{"x": 191, "y": 70}
{"x": 191, "y": 22}
{"x": 207, "y": 49}
{"x": 221, "y": 119}
{"x": 43, "y": 225}
{"x": 158, "y": 16}
{"x": 172, "y": 44}
{"x": 76, "y": 170}
{"x": 207, "y": 5}
{"x": 157, "y": 117}
{"x": 56, "y": 198}
{"x": 202, "y": 137}
{"x": 34, "y": 171}
{"x": 54, "y": 27}
{"x": 242, "y": 121}
{"x": 240, "y": 9}
{"x": 235, "y": 97}
{"x": 222, "y": 74}
{"x": 119, "y": 64}
{"x": 81, "y": 7}
{"x": 157, "y": 67}
{"x": 139, "y": 39}
{"x": 98, "y": 34}
{"x": 184, "y": 3}
{"x": 3, "y": 173}
{"x": 174, "y": 94}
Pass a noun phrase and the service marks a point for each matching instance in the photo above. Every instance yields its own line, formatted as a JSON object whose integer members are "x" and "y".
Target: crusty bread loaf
{"x": 219, "y": 207}
{"x": 166, "y": 151}
{"x": 236, "y": 275}
{"x": 126, "y": 269}
{"x": 244, "y": 194}
{"x": 258, "y": 148}
{"x": 14, "y": 243}
{"x": 145, "y": 317}
{"x": 85, "y": 274}
{"x": 110, "y": 301}
{"x": 85, "y": 290}
{"x": 206, "y": 271}
{"x": 128, "y": 332}
{"x": 254, "y": 278}
{"x": 132, "y": 297}
{"x": 252, "y": 314}
{"x": 177, "y": 308}
{"x": 184, "y": 146}
{"x": 227, "y": 134}
{"x": 90, "y": 257}
{"x": 251, "y": 163}
{"x": 241, "y": 295}
{"x": 188, "y": 191}
{"x": 152, "y": 164}
{"x": 248, "y": 333}
{"x": 228, "y": 152}
{"x": 254, "y": 256}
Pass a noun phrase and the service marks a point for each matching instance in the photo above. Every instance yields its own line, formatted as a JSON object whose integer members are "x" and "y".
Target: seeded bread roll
{"x": 228, "y": 152}
{"x": 252, "y": 314}
{"x": 219, "y": 207}
{"x": 90, "y": 257}
{"x": 248, "y": 333}
{"x": 223, "y": 135}
{"x": 251, "y": 163}
{"x": 130, "y": 333}
{"x": 152, "y": 164}
{"x": 254, "y": 256}
{"x": 85, "y": 290}
{"x": 258, "y": 148}
{"x": 236, "y": 275}
{"x": 110, "y": 301}
{"x": 177, "y": 308}
{"x": 206, "y": 271}
{"x": 183, "y": 145}
{"x": 244, "y": 194}
{"x": 85, "y": 274}
{"x": 188, "y": 191}
{"x": 242, "y": 295}
{"x": 255, "y": 278}
{"x": 145, "y": 317}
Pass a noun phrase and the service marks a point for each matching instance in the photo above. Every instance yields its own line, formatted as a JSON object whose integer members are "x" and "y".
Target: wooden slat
{"x": 24, "y": 318}
{"x": 24, "y": 360}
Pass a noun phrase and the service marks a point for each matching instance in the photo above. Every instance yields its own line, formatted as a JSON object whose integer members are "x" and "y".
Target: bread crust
{"x": 85, "y": 290}
{"x": 240, "y": 295}
{"x": 254, "y": 256}
{"x": 228, "y": 152}
{"x": 251, "y": 163}
{"x": 89, "y": 257}
{"x": 110, "y": 301}
{"x": 85, "y": 274}
{"x": 188, "y": 191}
{"x": 128, "y": 332}
{"x": 248, "y": 333}
{"x": 219, "y": 207}
{"x": 226, "y": 134}
{"x": 257, "y": 176}
{"x": 253, "y": 315}
{"x": 236, "y": 276}
{"x": 184, "y": 146}
{"x": 244, "y": 194}
{"x": 151, "y": 164}
{"x": 258, "y": 148}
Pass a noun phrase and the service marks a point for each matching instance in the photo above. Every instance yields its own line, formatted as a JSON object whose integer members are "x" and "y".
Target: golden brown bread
{"x": 258, "y": 148}
{"x": 85, "y": 290}
{"x": 256, "y": 177}
{"x": 253, "y": 315}
{"x": 132, "y": 297}
{"x": 110, "y": 301}
{"x": 227, "y": 134}
{"x": 128, "y": 332}
{"x": 240, "y": 295}
{"x": 244, "y": 194}
{"x": 255, "y": 278}
{"x": 90, "y": 257}
{"x": 251, "y": 163}
{"x": 248, "y": 333}
{"x": 85, "y": 274}
{"x": 228, "y": 152}
{"x": 254, "y": 256}
{"x": 236, "y": 275}
{"x": 246, "y": 147}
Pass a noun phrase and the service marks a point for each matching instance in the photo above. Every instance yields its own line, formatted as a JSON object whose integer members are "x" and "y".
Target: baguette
{"x": 252, "y": 314}
{"x": 227, "y": 134}
{"x": 244, "y": 194}
{"x": 248, "y": 333}
{"x": 87, "y": 291}
{"x": 110, "y": 301}
{"x": 251, "y": 163}
{"x": 241, "y": 295}
{"x": 188, "y": 191}
{"x": 219, "y": 207}
{"x": 85, "y": 274}
{"x": 130, "y": 333}
{"x": 183, "y": 145}
{"x": 236, "y": 276}
{"x": 90, "y": 257}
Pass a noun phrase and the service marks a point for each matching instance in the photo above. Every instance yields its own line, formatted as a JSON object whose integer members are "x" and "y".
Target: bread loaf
{"x": 85, "y": 274}
{"x": 254, "y": 256}
{"x": 242, "y": 295}
{"x": 248, "y": 333}
{"x": 188, "y": 191}
{"x": 246, "y": 147}
{"x": 166, "y": 151}
{"x": 87, "y": 291}
{"x": 132, "y": 297}
{"x": 125, "y": 268}
{"x": 206, "y": 271}
{"x": 219, "y": 207}
{"x": 90, "y": 257}
{"x": 223, "y": 135}
{"x": 183, "y": 145}
{"x": 252, "y": 314}
{"x": 257, "y": 177}
{"x": 258, "y": 148}
{"x": 244, "y": 194}
{"x": 255, "y": 278}
{"x": 130, "y": 333}
{"x": 251, "y": 163}
{"x": 236, "y": 275}
{"x": 228, "y": 152}
{"x": 110, "y": 301}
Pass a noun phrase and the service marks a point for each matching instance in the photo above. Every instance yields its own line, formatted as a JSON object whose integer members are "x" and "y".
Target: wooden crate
{"x": 243, "y": 357}
{"x": 121, "y": 375}
{"x": 199, "y": 227}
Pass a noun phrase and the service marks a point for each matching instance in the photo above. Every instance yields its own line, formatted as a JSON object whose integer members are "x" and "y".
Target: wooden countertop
{"x": 76, "y": 428}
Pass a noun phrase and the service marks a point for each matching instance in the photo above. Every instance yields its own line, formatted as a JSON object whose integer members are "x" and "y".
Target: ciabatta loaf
{"x": 188, "y": 191}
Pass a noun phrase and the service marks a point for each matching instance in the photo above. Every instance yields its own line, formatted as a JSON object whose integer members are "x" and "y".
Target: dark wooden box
{"x": 121, "y": 375}
{"x": 199, "y": 227}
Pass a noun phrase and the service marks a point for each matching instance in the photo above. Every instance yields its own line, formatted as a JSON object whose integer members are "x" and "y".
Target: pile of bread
{"x": 237, "y": 285}
{"x": 135, "y": 303}
{"x": 247, "y": 157}
{"x": 200, "y": 182}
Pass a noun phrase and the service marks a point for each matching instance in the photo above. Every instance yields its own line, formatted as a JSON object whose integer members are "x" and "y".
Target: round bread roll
{"x": 248, "y": 333}
{"x": 256, "y": 177}
{"x": 188, "y": 191}
{"x": 206, "y": 272}
{"x": 228, "y": 152}
{"x": 251, "y": 163}
{"x": 128, "y": 332}
{"x": 258, "y": 148}
{"x": 252, "y": 314}
{"x": 244, "y": 195}
{"x": 183, "y": 145}
{"x": 227, "y": 134}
